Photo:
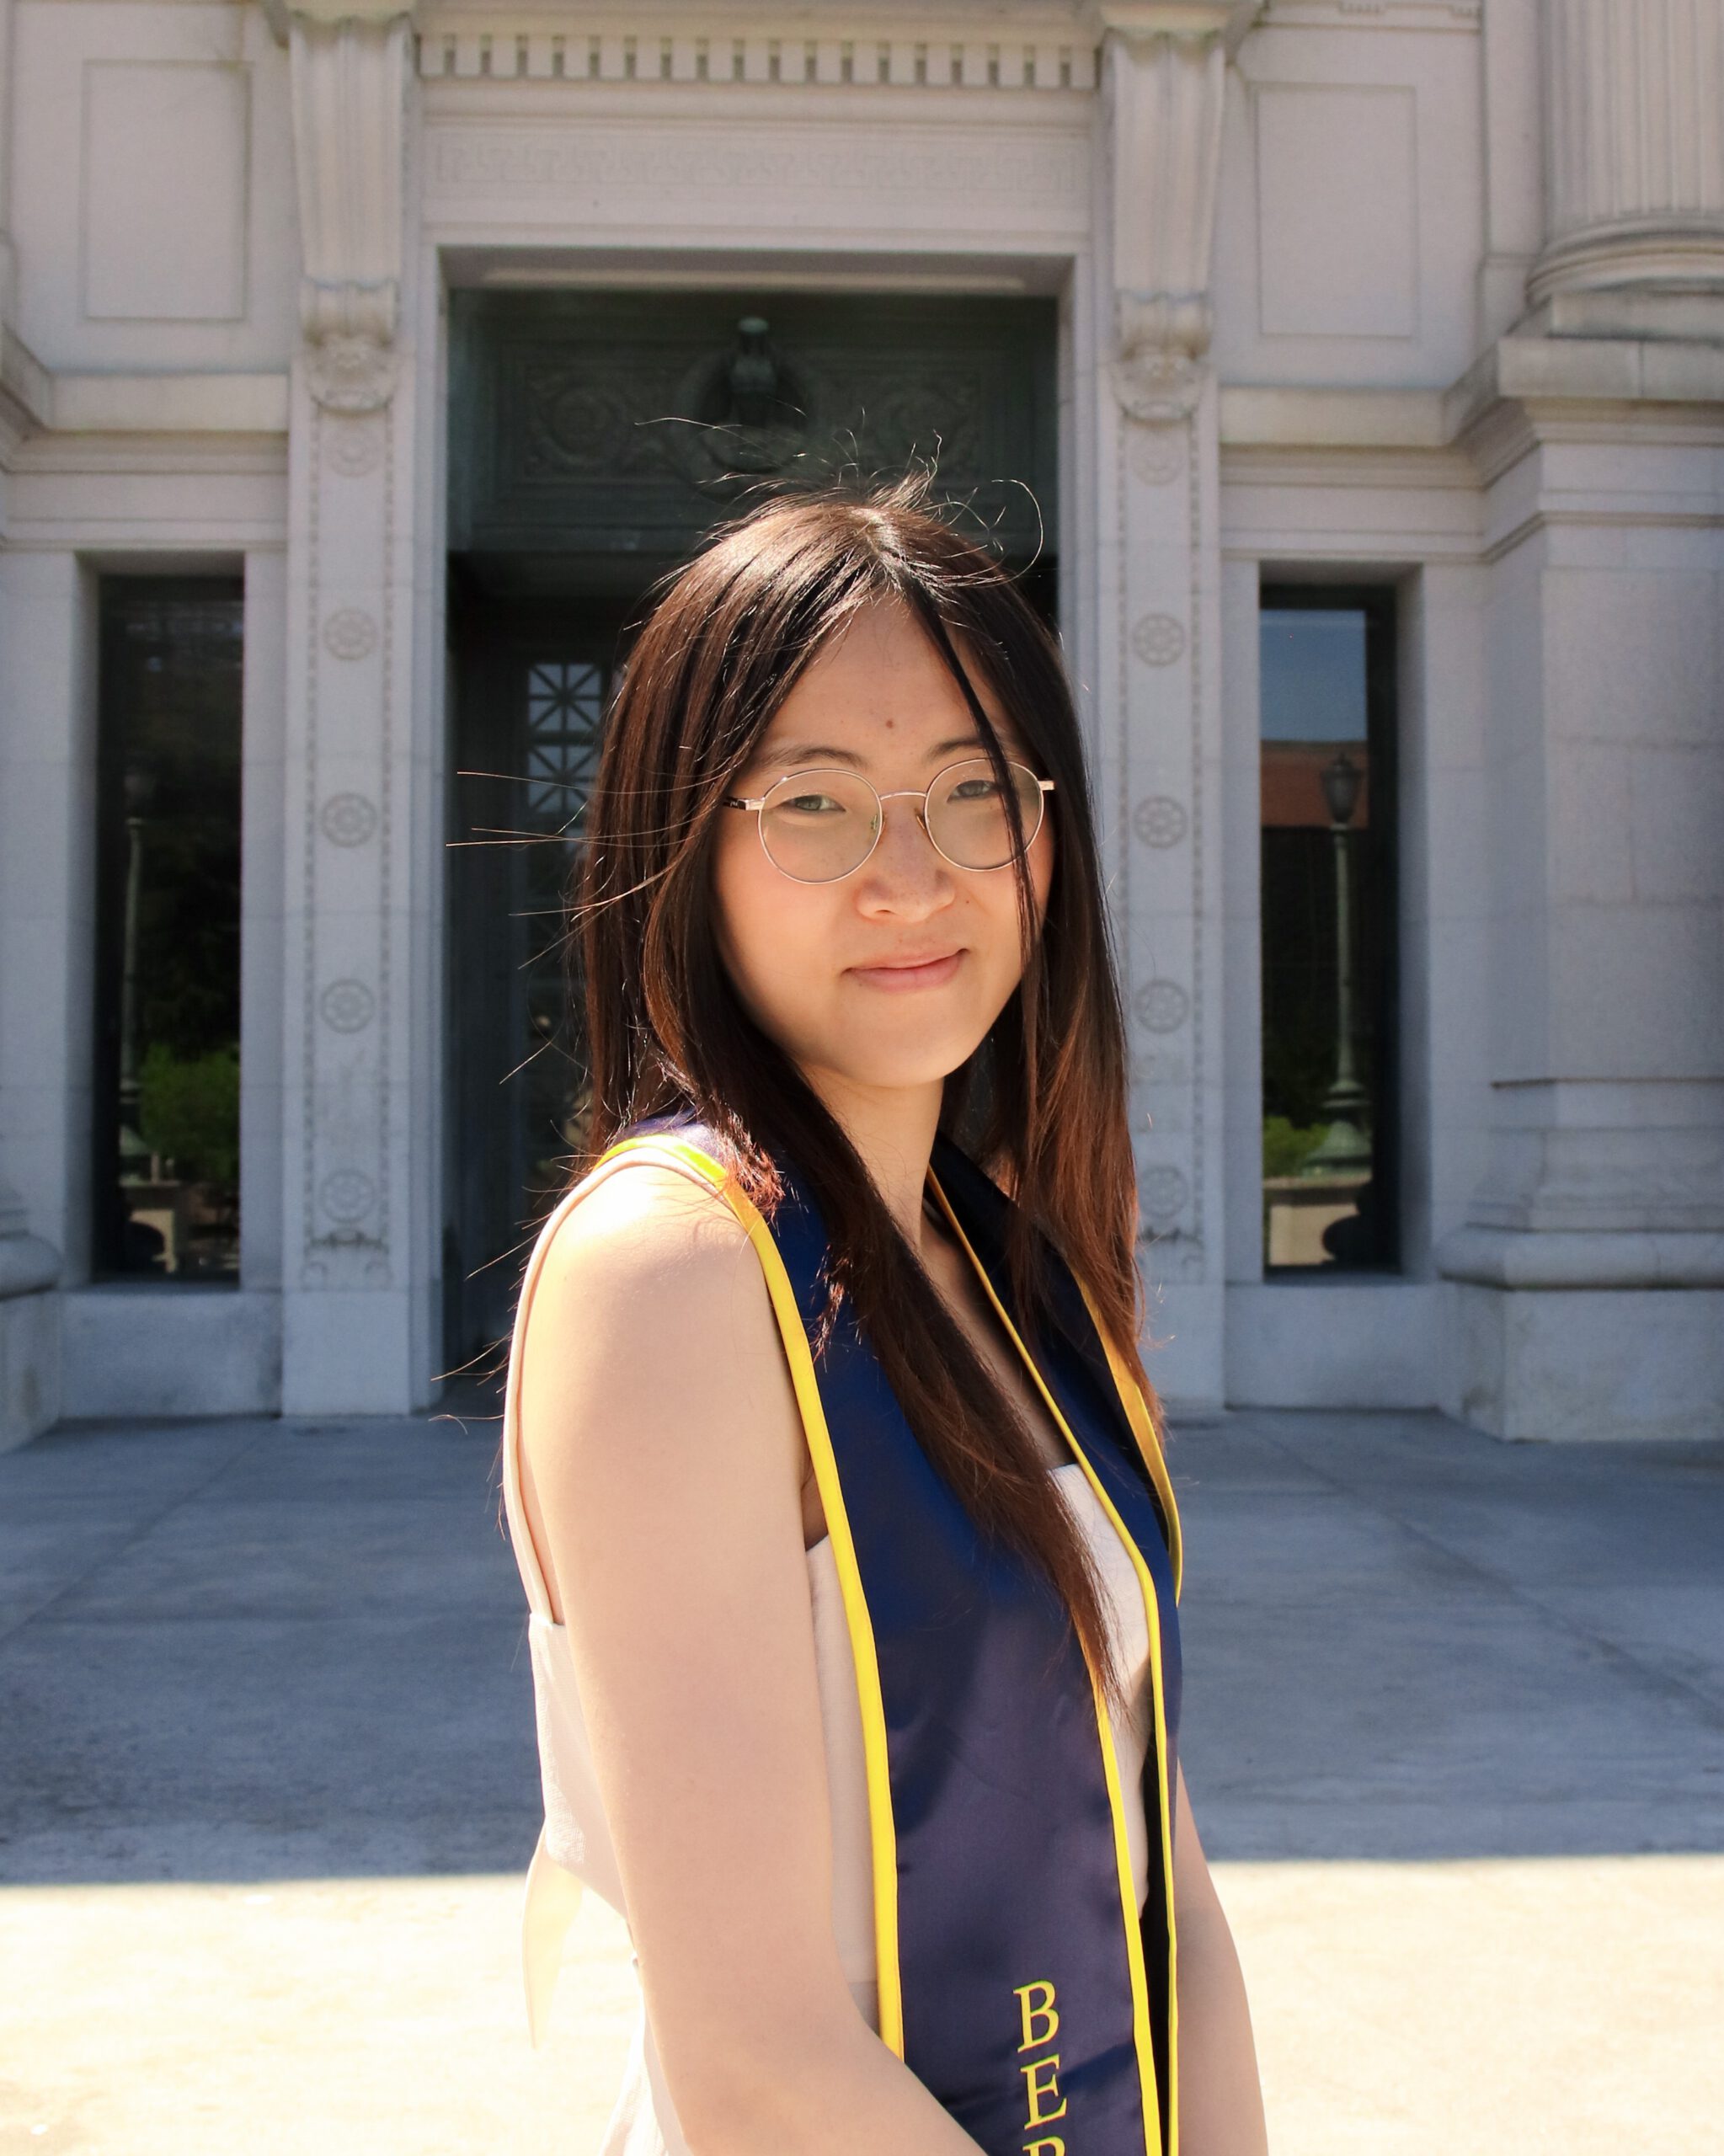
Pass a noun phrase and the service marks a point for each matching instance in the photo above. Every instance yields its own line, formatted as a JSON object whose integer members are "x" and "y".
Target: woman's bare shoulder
{"x": 649, "y": 1310}
{"x": 643, "y": 1220}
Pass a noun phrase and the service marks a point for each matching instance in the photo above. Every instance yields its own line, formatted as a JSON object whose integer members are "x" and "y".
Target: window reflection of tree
{"x": 167, "y": 1081}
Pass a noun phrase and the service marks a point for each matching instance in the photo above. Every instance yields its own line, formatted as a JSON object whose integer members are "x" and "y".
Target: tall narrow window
{"x": 165, "y": 1182}
{"x": 1329, "y": 912}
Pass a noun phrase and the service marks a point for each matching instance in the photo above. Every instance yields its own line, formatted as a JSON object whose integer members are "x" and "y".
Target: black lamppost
{"x": 133, "y": 1153}
{"x": 1345, "y": 1149}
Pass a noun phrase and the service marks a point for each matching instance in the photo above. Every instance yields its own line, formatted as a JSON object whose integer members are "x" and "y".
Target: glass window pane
{"x": 1327, "y": 935}
{"x": 167, "y": 1079}
{"x": 1313, "y": 675}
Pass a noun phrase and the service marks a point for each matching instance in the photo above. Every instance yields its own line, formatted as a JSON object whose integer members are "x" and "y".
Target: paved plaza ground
{"x": 1454, "y": 1728}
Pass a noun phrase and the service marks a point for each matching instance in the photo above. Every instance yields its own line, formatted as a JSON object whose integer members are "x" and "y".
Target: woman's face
{"x": 891, "y": 976}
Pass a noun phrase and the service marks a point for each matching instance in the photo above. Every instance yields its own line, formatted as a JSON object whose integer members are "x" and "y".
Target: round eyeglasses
{"x": 817, "y": 826}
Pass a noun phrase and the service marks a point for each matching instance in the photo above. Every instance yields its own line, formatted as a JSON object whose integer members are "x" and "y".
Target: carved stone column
{"x": 1583, "y": 1294}
{"x": 353, "y": 1329}
{"x": 7, "y": 262}
{"x": 1164, "y": 69}
{"x": 1634, "y": 167}
{"x": 29, "y": 1269}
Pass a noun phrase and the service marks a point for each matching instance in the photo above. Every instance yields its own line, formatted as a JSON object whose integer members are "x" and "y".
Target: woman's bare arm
{"x": 664, "y": 1453}
{"x": 1220, "y": 2092}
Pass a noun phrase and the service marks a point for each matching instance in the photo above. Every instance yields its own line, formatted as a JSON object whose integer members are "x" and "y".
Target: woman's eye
{"x": 976, "y": 789}
{"x": 813, "y": 804}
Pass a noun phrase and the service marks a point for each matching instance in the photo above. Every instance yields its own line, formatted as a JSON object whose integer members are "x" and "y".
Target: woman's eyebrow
{"x": 805, "y": 752}
{"x": 793, "y": 753}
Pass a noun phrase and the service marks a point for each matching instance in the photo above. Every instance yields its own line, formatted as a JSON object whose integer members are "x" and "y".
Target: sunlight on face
{"x": 830, "y": 971}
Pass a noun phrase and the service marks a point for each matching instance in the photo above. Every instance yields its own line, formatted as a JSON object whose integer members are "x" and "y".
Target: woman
{"x": 832, "y": 1467}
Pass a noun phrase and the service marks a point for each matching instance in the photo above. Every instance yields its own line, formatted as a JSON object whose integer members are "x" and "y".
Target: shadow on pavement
{"x": 266, "y": 1650}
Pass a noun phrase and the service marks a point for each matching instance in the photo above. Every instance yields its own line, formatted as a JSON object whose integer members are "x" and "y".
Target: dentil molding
{"x": 1008, "y": 55}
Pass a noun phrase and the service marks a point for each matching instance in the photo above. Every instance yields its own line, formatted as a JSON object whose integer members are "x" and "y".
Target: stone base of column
{"x": 1662, "y": 253}
{"x": 1571, "y": 1338}
{"x": 29, "y": 1329}
{"x": 1182, "y": 1343}
{"x": 1630, "y": 311}
{"x": 351, "y": 1353}
{"x": 29, "y": 1357}
{"x": 147, "y": 1349}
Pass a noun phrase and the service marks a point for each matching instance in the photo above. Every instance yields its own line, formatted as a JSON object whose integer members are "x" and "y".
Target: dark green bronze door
{"x": 593, "y": 438}
{"x": 531, "y": 685}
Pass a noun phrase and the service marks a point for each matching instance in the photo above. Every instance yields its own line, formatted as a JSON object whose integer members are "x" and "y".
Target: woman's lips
{"x": 896, "y": 979}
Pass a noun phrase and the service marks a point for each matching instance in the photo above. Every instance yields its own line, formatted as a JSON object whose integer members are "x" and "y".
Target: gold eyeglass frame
{"x": 1044, "y": 787}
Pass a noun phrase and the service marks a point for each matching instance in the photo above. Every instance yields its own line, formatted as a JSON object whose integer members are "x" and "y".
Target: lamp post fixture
{"x": 134, "y": 1154}
{"x": 1345, "y": 1149}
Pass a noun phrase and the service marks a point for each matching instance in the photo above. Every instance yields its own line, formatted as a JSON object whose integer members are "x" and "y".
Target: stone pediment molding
{"x": 349, "y": 73}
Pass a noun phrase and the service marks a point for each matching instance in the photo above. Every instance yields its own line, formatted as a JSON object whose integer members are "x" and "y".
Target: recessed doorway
{"x": 595, "y": 438}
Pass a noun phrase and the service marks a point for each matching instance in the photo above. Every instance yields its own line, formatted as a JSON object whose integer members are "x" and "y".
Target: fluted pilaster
{"x": 1163, "y": 74}
{"x": 1633, "y": 149}
{"x": 349, "y": 81}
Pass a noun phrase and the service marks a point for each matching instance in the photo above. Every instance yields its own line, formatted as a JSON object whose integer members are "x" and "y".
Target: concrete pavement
{"x": 1454, "y": 1728}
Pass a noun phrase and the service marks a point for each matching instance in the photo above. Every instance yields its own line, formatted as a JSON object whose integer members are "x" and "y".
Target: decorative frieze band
{"x": 1034, "y": 63}
{"x": 710, "y": 170}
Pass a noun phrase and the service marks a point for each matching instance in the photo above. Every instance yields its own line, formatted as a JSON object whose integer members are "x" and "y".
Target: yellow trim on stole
{"x": 1133, "y": 1937}
{"x": 882, "y": 1833}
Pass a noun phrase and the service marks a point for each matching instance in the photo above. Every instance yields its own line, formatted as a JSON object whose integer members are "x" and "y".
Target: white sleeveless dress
{"x": 575, "y": 1848}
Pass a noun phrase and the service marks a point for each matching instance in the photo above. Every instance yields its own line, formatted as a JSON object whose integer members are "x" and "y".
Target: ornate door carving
{"x": 597, "y": 435}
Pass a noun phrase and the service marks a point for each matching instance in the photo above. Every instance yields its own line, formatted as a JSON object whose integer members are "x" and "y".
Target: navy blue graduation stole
{"x": 1017, "y": 1978}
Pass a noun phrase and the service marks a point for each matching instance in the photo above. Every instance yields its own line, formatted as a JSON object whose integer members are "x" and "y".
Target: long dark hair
{"x": 1041, "y": 1105}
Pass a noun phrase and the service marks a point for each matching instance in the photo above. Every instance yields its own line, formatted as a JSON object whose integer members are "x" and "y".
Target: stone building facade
{"x": 1361, "y": 364}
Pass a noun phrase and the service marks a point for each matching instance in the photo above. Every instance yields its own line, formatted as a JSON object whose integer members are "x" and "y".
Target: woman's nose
{"x": 906, "y": 861}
